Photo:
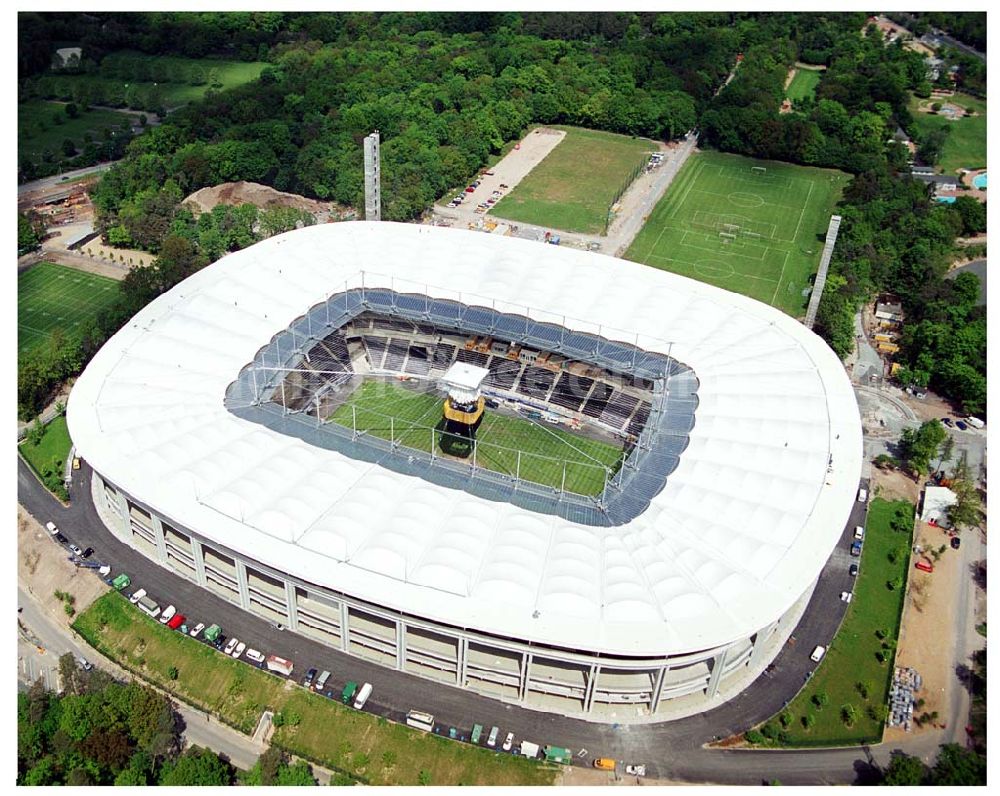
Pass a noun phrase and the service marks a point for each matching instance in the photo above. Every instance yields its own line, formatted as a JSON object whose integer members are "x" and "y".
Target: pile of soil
{"x": 264, "y": 197}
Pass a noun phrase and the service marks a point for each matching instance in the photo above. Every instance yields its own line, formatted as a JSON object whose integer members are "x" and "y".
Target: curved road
{"x": 671, "y": 750}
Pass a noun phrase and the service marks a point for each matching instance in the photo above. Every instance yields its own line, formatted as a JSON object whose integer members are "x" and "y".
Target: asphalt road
{"x": 977, "y": 267}
{"x": 671, "y": 750}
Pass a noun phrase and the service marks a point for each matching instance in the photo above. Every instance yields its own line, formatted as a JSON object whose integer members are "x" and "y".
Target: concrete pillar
{"x": 123, "y": 516}
{"x": 719, "y": 663}
{"x": 161, "y": 544}
{"x": 654, "y": 703}
{"x": 199, "y": 561}
{"x": 345, "y": 627}
{"x": 241, "y": 584}
{"x": 588, "y": 697}
{"x": 463, "y": 654}
{"x": 760, "y": 641}
{"x": 522, "y": 688}
{"x": 291, "y": 607}
{"x": 400, "y": 644}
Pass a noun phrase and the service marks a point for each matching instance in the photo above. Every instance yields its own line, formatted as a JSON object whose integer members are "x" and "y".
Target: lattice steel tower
{"x": 373, "y": 179}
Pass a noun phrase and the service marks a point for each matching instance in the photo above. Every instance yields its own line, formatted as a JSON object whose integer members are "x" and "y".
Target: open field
{"x": 55, "y": 444}
{"x": 803, "y": 84}
{"x": 965, "y": 147}
{"x": 39, "y": 131}
{"x": 851, "y": 659}
{"x": 572, "y": 189}
{"x": 543, "y": 449}
{"x": 51, "y": 296}
{"x": 751, "y": 226}
{"x": 178, "y": 80}
{"x": 365, "y": 747}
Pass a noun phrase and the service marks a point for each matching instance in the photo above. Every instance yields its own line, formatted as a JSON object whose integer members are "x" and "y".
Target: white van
{"x": 321, "y": 683}
{"x": 362, "y": 697}
{"x": 147, "y": 606}
{"x": 975, "y": 422}
{"x": 862, "y": 495}
{"x": 859, "y": 532}
{"x": 818, "y": 653}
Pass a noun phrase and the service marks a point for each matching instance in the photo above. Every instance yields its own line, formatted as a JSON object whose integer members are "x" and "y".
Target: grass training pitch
{"x": 367, "y": 748}
{"x": 965, "y": 146}
{"x": 751, "y": 226}
{"x": 54, "y": 446}
{"x": 572, "y": 189}
{"x": 51, "y": 296}
{"x": 413, "y": 418}
{"x": 803, "y": 84}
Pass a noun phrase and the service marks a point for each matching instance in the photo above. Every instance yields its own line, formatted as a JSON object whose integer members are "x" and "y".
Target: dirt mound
{"x": 262, "y": 196}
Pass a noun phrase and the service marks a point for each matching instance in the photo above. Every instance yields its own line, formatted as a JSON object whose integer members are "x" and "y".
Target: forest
{"x": 98, "y": 731}
{"x": 448, "y": 91}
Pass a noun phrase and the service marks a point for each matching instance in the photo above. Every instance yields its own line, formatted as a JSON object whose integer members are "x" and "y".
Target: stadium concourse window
{"x": 575, "y": 424}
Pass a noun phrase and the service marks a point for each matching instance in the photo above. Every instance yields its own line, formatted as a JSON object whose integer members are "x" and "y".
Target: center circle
{"x": 714, "y": 269}
{"x": 741, "y": 199}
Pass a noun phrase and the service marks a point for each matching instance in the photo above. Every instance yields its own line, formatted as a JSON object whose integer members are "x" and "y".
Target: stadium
{"x": 559, "y": 479}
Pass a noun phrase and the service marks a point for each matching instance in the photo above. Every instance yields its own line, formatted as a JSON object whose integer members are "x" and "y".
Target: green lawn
{"x": 965, "y": 147}
{"x": 572, "y": 189}
{"x": 803, "y": 84}
{"x": 54, "y": 445}
{"x": 851, "y": 659}
{"x": 174, "y": 77}
{"x": 51, "y": 296}
{"x": 38, "y": 129}
{"x": 755, "y": 227}
{"x": 367, "y": 748}
{"x": 543, "y": 449}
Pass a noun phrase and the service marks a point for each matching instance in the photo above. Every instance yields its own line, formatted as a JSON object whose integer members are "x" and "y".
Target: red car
{"x": 176, "y": 621}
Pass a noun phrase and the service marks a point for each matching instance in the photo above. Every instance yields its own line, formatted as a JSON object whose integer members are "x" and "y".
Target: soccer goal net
{"x": 758, "y": 170}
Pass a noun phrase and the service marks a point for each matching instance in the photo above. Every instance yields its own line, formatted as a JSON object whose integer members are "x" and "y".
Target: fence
{"x": 636, "y": 171}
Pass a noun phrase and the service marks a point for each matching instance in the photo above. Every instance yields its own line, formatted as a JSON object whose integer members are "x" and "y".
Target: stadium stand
{"x": 535, "y": 382}
{"x": 639, "y": 419}
{"x": 417, "y": 363}
{"x": 477, "y": 358}
{"x": 598, "y": 400}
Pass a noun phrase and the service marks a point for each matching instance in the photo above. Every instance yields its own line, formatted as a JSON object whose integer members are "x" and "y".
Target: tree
{"x": 848, "y": 714}
{"x": 904, "y": 769}
{"x": 917, "y": 447}
{"x": 197, "y": 766}
{"x": 28, "y": 237}
{"x": 972, "y": 213}
{"x": 958, "y": 766}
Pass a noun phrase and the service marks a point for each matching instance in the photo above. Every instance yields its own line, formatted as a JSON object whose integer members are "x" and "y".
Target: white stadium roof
{"x": 741, "y": 529}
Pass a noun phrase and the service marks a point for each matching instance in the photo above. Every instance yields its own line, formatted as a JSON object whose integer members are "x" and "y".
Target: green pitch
{"x": 573, "y": 187}
{"x": 751, "y": 226}
{"x": 388, "y": 411}
{"x": 51, "y": 296}
{"x": 803, "y": 84}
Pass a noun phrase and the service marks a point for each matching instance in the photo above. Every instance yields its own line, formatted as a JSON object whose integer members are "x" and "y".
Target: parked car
{"x": 818, "y": 653}
{"x": 859, "y": 532}
{"x": 492, "y": 739}
{"x": 231, "y": 645}
{"x": 76, "y": 462}
{"x": 310, "y": 676}
{"x": 947, "y": 421}
{"x": 856, "y": 549}
{"x": 239, "y": 649}
{"x": 76, "y": 550}
{"x": 961, "y": 425}
{"x": 168, "y": 614}
{"x": 956, "y": 542}
{"x": 197, "y": 629}
{"x": 635, "y": 771}
{"x": 61, "y": 539}
{"x": 862, "y": 495}
{"x": 853, "y": 570}
{"x": 87, "y": 665}
{"x": 846, "y": 596}
{"x": 51, "y": 528}
{"x": 176, "y": 622}
{"x": 136, "y": 596}
{"x": 255, "y": 656}
{"x": 88, "y": 552}
{"x": 508, "y": 742}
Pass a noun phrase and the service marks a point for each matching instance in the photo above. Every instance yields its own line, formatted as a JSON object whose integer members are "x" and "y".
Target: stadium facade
{"x": 209, "y": 423}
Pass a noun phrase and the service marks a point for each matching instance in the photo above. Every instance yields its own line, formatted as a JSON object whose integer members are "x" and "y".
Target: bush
{"x": 808, "y": 721}
{"x": 172, "y": 673}
{"x": 848, "y": 714}
{"x": 820, "y": 699}
{"x": 754, "y": 736}
{"x": 424, "y": 778}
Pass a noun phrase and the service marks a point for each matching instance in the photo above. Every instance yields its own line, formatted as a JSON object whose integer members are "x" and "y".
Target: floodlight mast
{"x": 373, "y": 178}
